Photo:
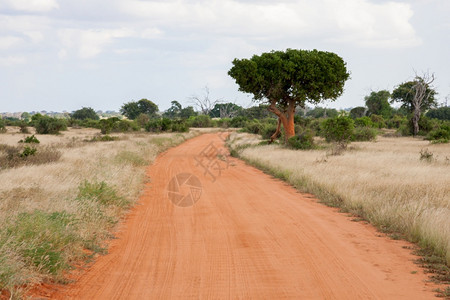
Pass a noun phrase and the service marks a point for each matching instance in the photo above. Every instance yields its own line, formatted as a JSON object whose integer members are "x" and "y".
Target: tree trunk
{"x": 415, "y": 120}
{"x": 277, "y": 132}
{"x": 286, "y": 118}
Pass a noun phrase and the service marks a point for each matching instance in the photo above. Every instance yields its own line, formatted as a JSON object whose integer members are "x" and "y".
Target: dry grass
{"x": 70, "y": 192}
{"x": 385, "y": 182}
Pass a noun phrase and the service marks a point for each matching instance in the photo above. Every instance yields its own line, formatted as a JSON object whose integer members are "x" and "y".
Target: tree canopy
{"x": 416, "y": 96}
{"x": 85, "y": 113}
{"x": 133, "y": 109}
{"x": 286, "y": 79}
{"x": 378, "y": 104}
{"x": 404, "y": 94}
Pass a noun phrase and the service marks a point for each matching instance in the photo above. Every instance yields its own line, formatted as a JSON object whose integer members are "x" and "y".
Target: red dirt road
{"x": 248, "y": 236}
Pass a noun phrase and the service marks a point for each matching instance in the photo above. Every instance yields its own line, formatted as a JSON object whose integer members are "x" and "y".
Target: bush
{"x": 2, "y": 126}
{"x": 30, "y": 140}
{"x": 102, "y": 193}
{"x": 338, "y": 129}
{"x": 377, "y": 121}
{"x": 12, "y": 157}
{"x": 106, "y": 125}
{"x": 363, "y": 122}
{"x": 304, "y": 140}
{"x": 238, "y": 122}
{"x": 440, "y": 135}
{"x": 267, "y": 130}
{"x": 254, "y": 126}
{"x": 200, "y": 121}
{"x": 43, "y": 238}
{"x": 48, "y": 125}
{"x": 179, "y": 126}
{"x": 364, "y": 134}
{"x": 396, "y": 122}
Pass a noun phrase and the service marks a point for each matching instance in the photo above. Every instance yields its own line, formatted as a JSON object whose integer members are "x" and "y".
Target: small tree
{"x": 358, "y": 112}
{"x": 338, "y": 130}
{"x": 174, "y": 110}
{"x": 85, "y": 113}
{"x": 225, "y": 110}
{"x": 287, "y": 79}
{"x": 416, "y": 96}
{"x": 133, "y": 109}
{"x": 378, "y": 104}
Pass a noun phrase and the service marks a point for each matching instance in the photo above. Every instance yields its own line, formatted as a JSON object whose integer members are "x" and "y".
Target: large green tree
{"x": 416, "y": 96}
{"x": 225, "y": 110}
{"x": 133, "y": 109}
{"x": 287, "y": 79}
{"x": 378, "y": 104}
{"x": 85, "y": 113}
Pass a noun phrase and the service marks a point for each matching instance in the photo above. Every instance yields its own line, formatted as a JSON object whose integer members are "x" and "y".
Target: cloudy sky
{"x": 60, "y": 55}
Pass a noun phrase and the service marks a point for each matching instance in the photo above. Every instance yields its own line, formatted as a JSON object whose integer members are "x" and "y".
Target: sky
{"x": 62, "y": 55}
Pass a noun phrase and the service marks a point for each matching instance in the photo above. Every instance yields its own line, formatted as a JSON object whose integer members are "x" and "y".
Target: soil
{"x": 210, "y": 226}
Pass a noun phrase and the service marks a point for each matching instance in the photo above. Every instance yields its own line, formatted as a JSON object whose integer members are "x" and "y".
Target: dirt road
{"x": 241, "y": 235}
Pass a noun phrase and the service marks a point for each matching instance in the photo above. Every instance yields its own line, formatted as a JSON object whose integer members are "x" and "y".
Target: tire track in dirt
{"x": 249, "y": 236}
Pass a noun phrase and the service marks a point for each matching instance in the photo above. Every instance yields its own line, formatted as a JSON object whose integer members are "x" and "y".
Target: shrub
{"x": 377, "y": 121}
{"x": 363, "y": 122}
{"x": 304, "y": 140}
{"x": 30, "y": 140}
{"x": 396, "y": 121}
{"x": 106, "y": 125}
{"x": 364, "y": 134}
{"x": 338, "y": 129}
{"x": 48, "y": 125}
{"x": 18, "y": 156}
{"x": 43, "y": 238}
{"x": 28, "y": 151}
{"x": 440, "y": 135}
{"x": 124, "y": 126}
{"x": 254, "y": 126}
{"x": 179, "y": 126}
{"x": 200, "y": 121}
{"x": 102, "y": 193}
{"x": 238, "y": 122}
{"x": 267, "y": 130}
{"x": 2, "y": 126}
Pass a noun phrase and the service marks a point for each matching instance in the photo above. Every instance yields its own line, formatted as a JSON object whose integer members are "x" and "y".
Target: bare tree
{"x": 422, "y": 93}
{"x": 204, "y": 103}
{"x": 416, "y": 95}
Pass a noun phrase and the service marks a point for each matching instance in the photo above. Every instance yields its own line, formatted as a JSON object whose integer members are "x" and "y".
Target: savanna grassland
{"x": 399, "y": 184}
{"x": 60, "y": 199}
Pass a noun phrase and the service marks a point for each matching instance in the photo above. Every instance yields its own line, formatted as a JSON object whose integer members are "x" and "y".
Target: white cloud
{"x": 7, "y": 42}
{"x": 12, "y": 60}
{"x": 31, "y": 5}
{"x": 88, "y": 43}
{"x": 359, "y": 22}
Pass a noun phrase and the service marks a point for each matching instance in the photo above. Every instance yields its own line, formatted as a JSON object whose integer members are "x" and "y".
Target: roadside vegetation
{"x": 62, "y": 195}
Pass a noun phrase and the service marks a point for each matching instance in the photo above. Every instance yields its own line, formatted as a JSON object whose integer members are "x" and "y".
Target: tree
{"x": 187, "y": 112}
{"x": 174, "y": 110}
{"x": 132, "y": 109}
{"x": 204, "y": 103}
{"x": 25, "y": 116}
{"x": 416, "y": 96}
{"x": 225, "y": 110}
{"x": 84, "y": 113}
{"x": 256, "y": 112}
{"x": 287, "y": 79}
{"x": 319, "y": 112}
{"x": 441, "y": 113}
{"x": 378, "y": 104}
{"x": 358, "y": 112}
